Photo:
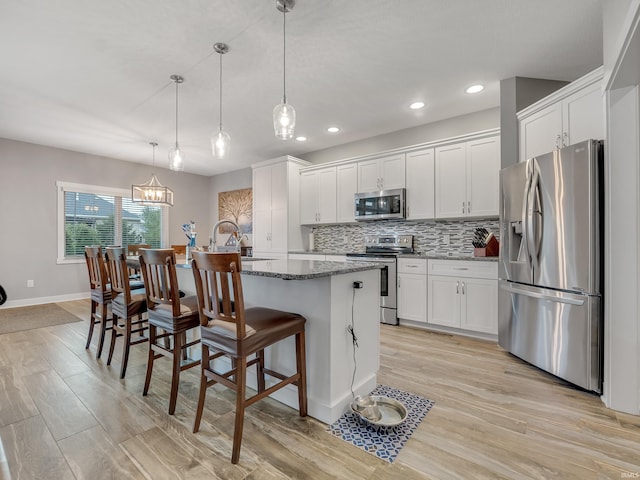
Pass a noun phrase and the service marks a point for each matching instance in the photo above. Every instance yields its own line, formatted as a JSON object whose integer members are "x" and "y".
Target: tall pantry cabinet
{"x": 276, "y": 207}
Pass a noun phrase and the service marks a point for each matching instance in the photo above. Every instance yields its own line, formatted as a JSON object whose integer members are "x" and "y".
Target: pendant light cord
{"x": 176, "y": 113}
{"x": 220, "y": 91}
{"x": 284, "y": 55}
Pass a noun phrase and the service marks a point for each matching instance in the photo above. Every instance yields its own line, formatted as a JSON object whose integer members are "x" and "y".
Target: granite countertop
{"x": 295, "y": 269}
{"x": 320, "y": 252}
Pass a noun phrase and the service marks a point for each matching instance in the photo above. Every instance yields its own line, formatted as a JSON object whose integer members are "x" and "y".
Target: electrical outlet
{"x": 29, "y": 283}
{"x": 357, "y": 284}
{"x": 446, "y": 238}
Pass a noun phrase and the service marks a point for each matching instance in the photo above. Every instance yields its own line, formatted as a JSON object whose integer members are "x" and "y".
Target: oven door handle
{"x": 384, "y": 281}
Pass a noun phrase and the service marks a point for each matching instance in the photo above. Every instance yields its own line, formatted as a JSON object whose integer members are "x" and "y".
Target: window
{"x": 92, "y": 215}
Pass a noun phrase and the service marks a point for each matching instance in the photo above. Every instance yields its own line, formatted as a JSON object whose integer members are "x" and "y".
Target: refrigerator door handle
{"x": 533, "y": 202}
{"x": 525, "y": 218}
{"x": 543, "y": 296}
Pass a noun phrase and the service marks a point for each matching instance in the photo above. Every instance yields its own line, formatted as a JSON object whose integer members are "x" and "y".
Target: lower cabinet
{"x": 412, "y": 289}
{"x": 463, "y": 294}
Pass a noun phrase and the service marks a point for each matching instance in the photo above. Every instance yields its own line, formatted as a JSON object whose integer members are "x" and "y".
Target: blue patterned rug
{"x": 384, "y": 443}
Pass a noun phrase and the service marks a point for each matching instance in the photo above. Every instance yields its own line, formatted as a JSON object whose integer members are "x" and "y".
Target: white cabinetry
{"x": 384, "y": 173}
{"x": 570, "y": 115}
{"x": 276, "y": 209}
{"x": 318, "y": 196}
{"x": 412, "y": 289}
{"x": 463, "y": 295}
{"x": 347, "y": 187}
{"x": 420, "y": 184}
{"x": 317, "y": 257}
{"x": 466, "y": 178}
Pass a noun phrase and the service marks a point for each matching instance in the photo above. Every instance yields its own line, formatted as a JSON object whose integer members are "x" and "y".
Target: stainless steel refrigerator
{"x": 550, "y": 270}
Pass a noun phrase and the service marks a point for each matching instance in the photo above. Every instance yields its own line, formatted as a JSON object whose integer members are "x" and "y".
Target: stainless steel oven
{"x": 384, "y": 249}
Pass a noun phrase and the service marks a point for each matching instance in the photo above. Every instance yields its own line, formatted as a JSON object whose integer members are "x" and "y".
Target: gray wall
{"x": 225, "y": 182}
{"x": 451, "y": 127}
{"x": 28, "y": 213}
{"x": 517, "y": 93}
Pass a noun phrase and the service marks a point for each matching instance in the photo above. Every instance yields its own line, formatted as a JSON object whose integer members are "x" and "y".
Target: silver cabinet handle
{"x": 412, "y": 266}
{"x": 463, "y": 206}
{"x": 469, "y": 207}
{"x": 463, "y": 288}
{"x": 565, "y": 140}
{"x": 461, "y": 268}
{"x": 398, "y": 282}
{"x": 457, "y": 288}
{"x": 558, "y": 140}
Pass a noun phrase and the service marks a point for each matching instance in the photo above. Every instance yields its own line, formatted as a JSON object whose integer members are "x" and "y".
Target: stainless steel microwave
{"x": 380, "y": 205}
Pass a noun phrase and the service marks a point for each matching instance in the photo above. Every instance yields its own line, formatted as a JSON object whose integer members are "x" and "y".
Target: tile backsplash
{"x": 429, "y": 237}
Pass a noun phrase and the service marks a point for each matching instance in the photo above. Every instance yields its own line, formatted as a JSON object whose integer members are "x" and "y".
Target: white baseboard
{"x": 26, "y": 302}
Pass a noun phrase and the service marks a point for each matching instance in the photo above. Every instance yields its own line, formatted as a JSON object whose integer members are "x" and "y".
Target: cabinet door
{"x": 261, "y": 208}
{"x": 444, "y": 301}
{"x": 279, "y": 186}
{"x": 368, "y": 176}
{"x": 392, "y": 171}
{"x": 583, "y": 115}
{"x": 420, "y": 184}
{"x": 483, "y": 174}
{"x": 412, "y": 297}
{"x": 347, "y": 185}
{"x": 450, "y": 181}
{"x": 541, "y": 132}
{"x": 308, "y": 197}
{"x": 479, "y": 305}
{"x": 327, "y": 193}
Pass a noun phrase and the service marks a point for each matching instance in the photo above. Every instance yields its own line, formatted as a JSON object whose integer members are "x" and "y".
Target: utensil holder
{"x": 491, "y": 250}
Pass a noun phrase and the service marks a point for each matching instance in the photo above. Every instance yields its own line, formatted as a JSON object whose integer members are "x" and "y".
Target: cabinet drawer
{"x": 464, "y": 268}
{"x": 412, "y": 265}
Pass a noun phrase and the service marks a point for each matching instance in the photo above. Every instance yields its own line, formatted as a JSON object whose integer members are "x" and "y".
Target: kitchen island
{"x": 323, "y": 292}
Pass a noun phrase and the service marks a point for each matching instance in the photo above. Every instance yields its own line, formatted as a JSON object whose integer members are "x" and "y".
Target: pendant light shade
{"x": 152, "y": 192}
{"x": 284, "y": 115}
{"x": 176, "y": 156}
{"x": 220, "y": 140}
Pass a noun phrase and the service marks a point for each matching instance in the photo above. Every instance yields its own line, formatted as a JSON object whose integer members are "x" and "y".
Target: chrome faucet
{"x": 213, "y": 245}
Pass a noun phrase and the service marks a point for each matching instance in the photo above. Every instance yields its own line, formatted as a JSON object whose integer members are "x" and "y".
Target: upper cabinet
{"x": 318, "y": 191}
{"x": 570, "y": 115}
{"x": 384, "y": 173}
{"x": 420, "y": 171}
{"x": 347, "y": 187}
{"x": 466, "y": 178}
{"x": 276, "y": 211}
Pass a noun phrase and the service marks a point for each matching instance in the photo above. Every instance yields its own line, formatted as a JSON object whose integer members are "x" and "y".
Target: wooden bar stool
{"x": 238, "y": 333}
{"x": 168, "y": 312}
{"x": 100, "y": 292}
{"x": 125, "y": 305}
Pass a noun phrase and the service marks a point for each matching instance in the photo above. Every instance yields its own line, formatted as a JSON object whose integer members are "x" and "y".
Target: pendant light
{"x": 176, "y": 156}
{"x": 152, "y": 192}
{"x": 220, "y": 141}
{"x": 284, "y": 115}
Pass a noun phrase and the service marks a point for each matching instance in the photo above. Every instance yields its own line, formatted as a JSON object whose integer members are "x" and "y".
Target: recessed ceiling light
{"x": 416, "y": 105}
{"x": 301, "y": 138}
{"x": 333, "y": 129}
{"x": 474, "y": 88}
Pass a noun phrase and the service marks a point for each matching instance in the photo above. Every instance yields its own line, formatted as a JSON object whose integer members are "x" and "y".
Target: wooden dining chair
{"x": 133, "y": 251}
{"x": 134, "y": 248}
{"x": 229, "y": 330}
{"x": 180, "y": 249}
{"x": 125, "y": 305}
{"x": 169, "y": 316}
{"x": 100, "y": 294}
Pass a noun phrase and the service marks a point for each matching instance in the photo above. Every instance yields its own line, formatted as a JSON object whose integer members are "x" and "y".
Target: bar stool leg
{"x": 152, "y": 356}
{"x": 175, "y": 377}
{"x": 92, "y": 323}
{"x": 240, "y": 394}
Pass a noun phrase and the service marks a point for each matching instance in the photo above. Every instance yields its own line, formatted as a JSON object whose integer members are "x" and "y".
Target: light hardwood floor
{"x": 64, "y": 414}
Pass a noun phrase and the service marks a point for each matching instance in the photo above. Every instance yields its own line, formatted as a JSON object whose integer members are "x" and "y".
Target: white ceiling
{"x": 93, "y": 75}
